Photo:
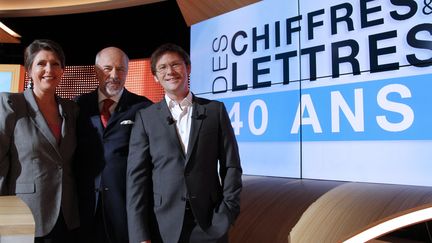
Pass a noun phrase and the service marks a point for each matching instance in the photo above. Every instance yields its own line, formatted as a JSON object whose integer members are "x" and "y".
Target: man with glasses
{"x": 184, "y": 172}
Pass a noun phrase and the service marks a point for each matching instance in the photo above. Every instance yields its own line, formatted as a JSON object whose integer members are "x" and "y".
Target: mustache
{"x": 113, "y": 80}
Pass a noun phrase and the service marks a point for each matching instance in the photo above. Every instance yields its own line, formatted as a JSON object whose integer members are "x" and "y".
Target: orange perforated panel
{"x": 77, "y": 80}
{"x": 140, "y": 80}
{"x": 82, "y": 79}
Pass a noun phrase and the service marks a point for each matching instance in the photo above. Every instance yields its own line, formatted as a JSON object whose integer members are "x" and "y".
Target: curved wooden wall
{"x": 270, "y": 207}
{"x": 16, "y": 221}
{"x": 301, "y": 210}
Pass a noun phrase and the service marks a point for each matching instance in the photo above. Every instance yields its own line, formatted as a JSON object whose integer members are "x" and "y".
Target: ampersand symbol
{"x": 427, "y": 9}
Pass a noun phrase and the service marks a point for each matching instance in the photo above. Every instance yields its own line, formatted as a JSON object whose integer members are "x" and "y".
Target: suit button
{"x": 106, "y": 189}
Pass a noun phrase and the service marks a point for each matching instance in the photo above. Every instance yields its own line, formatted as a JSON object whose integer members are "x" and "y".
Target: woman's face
{"x": 46, "y": 72}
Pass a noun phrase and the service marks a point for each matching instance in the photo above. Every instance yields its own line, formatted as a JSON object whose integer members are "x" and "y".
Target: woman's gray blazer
{"x": 32, "y": 165}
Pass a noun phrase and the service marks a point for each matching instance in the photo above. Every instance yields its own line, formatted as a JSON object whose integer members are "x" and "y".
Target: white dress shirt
{"x": 182, "y": 116}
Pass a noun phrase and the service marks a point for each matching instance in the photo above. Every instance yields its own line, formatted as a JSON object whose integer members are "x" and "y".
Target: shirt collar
{"x": 186, "y": 102}
{"x": 115, "y": 98}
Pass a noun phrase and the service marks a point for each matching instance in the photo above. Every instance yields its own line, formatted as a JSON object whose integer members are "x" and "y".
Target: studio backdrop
{"x": 334, "y": 90}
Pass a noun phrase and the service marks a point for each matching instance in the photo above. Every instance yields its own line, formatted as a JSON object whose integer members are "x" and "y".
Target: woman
{"x": 37, "y": 142}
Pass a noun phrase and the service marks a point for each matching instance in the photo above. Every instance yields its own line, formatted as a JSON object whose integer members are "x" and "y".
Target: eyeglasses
{"x": 163, "y": 69}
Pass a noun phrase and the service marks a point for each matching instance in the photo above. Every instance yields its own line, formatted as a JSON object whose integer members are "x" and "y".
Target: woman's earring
{"x": 30, "y": 84}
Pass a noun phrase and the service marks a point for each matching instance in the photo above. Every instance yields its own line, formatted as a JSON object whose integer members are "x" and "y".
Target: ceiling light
{"x": 392, "y": 225}
{"x": 9, "y": 31}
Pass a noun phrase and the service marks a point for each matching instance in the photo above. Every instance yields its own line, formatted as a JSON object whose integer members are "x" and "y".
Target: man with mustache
{"x": 104, "y": 125}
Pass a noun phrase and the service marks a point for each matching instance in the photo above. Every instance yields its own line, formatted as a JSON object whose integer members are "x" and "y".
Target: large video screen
{"x": 5, "y": 81}
{"x": 334, "y": 90}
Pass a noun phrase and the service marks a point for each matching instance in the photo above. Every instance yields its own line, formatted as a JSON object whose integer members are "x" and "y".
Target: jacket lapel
{"x": 67, "y": 120}
{"x": 95, "y": 113}
{"x": 38, "y": 119}
{"x": 198, "y": 115}
{"x": 121, "y": 106}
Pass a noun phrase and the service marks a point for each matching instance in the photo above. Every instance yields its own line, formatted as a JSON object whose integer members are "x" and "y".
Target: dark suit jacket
{"x": 160, "y": 177}
{"x": 101, "y": 161}
{"x": 32, "y": 165}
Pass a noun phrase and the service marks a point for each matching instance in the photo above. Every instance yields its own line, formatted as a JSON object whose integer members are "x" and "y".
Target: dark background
{"x": 137, "y": 30}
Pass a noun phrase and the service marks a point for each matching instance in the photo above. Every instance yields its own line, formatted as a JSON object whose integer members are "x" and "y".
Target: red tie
{"x": 105, "y": 113}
